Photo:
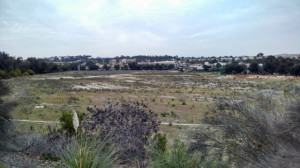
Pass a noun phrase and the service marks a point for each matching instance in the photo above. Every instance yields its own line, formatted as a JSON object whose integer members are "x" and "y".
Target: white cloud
{"x": 189, "y": 27}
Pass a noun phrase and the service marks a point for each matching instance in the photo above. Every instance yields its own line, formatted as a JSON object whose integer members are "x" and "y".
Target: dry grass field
{"x": 181, "y": 99}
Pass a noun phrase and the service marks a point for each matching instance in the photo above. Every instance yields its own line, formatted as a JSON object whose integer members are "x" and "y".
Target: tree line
{"x": 270, "y": 65}
{"x": 15, "y": 67}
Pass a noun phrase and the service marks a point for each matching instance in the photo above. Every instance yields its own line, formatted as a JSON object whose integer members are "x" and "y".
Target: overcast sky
{"x": 108, "y": 28}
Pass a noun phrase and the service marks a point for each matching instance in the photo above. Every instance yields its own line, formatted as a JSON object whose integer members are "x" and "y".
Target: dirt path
{"x": 37, "y": 121}
{"x": 56, "y": 122}
{"x": 68, "y": 105}
{"x": 181, "y": 124}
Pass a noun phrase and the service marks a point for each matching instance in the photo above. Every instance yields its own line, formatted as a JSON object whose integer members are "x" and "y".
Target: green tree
{"x": 218, "y": 66}
{"x": 125, "y": 67}
{"x": 117, "y": 67}
{"x": 270, "y": 64}
{"x": 106, "y": 67}
{"x": 234, "y": 68}
{"x": 254, "y": 67}
{"x": 206, "y": 67}
{"x": 82, "y": 68}
{"x": 93, "y": 66}
{"x": 296, "y": 70}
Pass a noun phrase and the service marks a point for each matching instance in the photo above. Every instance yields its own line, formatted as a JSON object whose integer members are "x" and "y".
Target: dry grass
{"x": 189, "y": 95}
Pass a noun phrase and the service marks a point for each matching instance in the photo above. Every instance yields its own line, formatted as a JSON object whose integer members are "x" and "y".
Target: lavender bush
{"x": 128, "y": 126}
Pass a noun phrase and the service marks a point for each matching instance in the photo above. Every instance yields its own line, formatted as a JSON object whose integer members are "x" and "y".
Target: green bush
{"x": 160, "y": 142}
{"x": 66, "y": 121}
{"x": 15, "y": 73}
{"x": 31, "y": 72}
{"x": 88, "y": 153}
{"x": 176, "y": 157}
{"x": 4, "y": 75}
{"x": 49, "y": 156}
{"x": 25, "y": 74}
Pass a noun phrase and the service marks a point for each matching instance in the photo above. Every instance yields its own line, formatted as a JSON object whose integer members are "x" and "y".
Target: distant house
{"x": 126, "y": 61}
{"x": 196, "y": 67}
{"x": 223, "y": 63}
{"x": 226, "y": 58}
{"x": 112, "y": 62}
{"x": 99, "y": 65}
{"x": 59, "y": 63}
{"x": 246, "y": 64}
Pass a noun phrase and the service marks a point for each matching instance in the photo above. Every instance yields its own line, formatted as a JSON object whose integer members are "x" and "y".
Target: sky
{"x": 109, "y": 28}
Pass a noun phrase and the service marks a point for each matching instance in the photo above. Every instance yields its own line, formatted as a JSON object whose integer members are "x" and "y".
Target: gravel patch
{"x": 21, "y": 160}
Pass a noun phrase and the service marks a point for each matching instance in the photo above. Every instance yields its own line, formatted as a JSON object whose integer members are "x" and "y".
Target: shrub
{"x": 67, "y": 123}
{"x": 25, "y": 74}
{"x": 30, "y": 72}
{"x": 4, "y": 75}
{"x": 255, "y": 132}
{"x": 42, "y": 145}
{"x": 160, "y": 142}
{"x": 176, "y": 157}
{"x": 127, "y": 125}
{"x": 88, "y": 153}
{"x": 5, "y": 108}
{"x": 15, "y": 73}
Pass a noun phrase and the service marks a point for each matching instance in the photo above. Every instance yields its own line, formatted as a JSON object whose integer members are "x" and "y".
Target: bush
{"x": 160, "y": 142}
{"x": 88, "y": 153}
{"x": 127, "y": 125}
{"x": 5, "y": 108}
{"x": 42, "y": 145}
{"x": 4, "y": 75}
{"x": 176, "y": 157}
{"x": 234, "y": 68}
{"x": 25, "y": 74}
{"x": 30, "y": 72}
{"x": 255, "y": 132}
{"x": 66, "y": 121}
{"x": 15, "y": 73}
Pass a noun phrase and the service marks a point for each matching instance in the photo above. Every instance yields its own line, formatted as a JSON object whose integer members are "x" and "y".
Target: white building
{"x": 196, "y": 67}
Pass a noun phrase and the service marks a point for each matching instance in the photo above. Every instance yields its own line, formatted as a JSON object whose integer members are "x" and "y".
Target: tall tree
{"x": 270, "y": 64}
{"x": 254, "y": 67}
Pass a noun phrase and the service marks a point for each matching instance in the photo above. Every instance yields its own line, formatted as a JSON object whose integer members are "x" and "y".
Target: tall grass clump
{"x": 5, "y": 123}
{"x": 176, "y": 157}
{"x": 260, "y": 131}
{"x": 85, "y": 151}
{"x": 88, "y": 153}
{"x": 160, "y": 142}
